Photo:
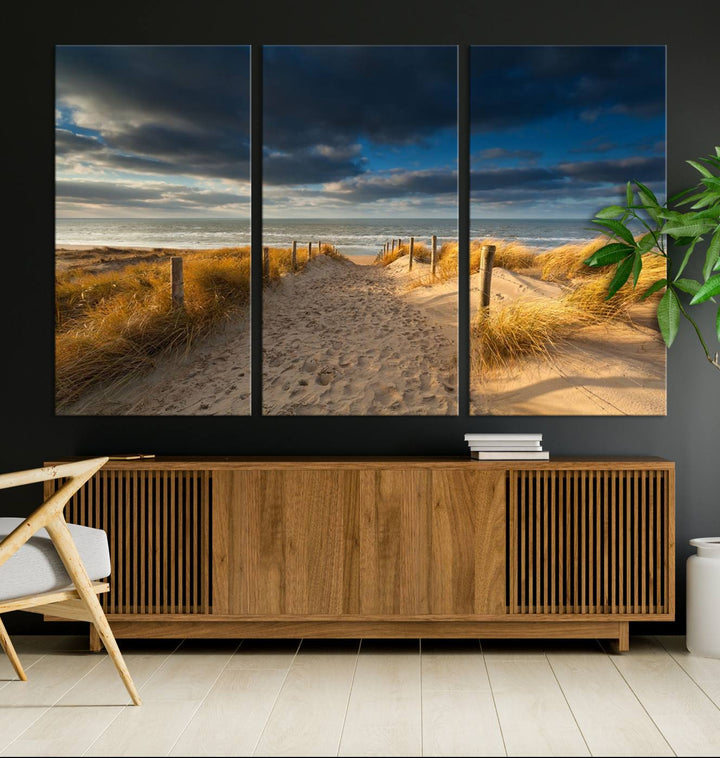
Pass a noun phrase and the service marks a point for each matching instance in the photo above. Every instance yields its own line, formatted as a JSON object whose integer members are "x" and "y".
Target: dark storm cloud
{"x": 512, "y": 86}
{"x": 395, "y": 184}
{"x": 567, "y": 178}
{"x": 645, "y": 169}
{"x": 181, "y": 110}
{"x": 493, "y": 154}
{"x": 142, "y": 195}
{"x": 339, "y": 95}
{"x": 310, "y": 167}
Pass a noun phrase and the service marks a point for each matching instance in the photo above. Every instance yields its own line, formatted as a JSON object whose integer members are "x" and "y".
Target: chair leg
{"x": 70, "y": 557}
{"x": 7, "y": 646}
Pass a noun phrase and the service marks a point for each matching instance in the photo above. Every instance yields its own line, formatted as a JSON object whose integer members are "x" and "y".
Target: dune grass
{"x": 113, "y": 325}
{"x": 504, "y": 333}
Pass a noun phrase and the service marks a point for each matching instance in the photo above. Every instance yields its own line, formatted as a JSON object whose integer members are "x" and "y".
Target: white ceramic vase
{"x": 703, "y": 598}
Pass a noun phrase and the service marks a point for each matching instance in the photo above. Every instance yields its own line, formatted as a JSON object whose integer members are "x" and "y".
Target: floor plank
{"x": 64, "y": 731}
{"x": 49, "y": 678}
{"x": 151, "y": 729}
{"x": 233, "y": 715}
{"x": 264, "y": 654}
{"x": 190, "y": 672}
{"x": 171, "y": 697}
{"x": 403, "y": 697}
{"x": 533, "y": 714}
{"x": 309, "y": 714}
{"x": 685, "y": 715}
{"x": 458, "y": 710}
{"x": 460, "y": 722}
{"x": 384, "y": 712}
{"x": 610, "y": 717}
{"x": 705, "y": 672}
{"x": 453, "y": 665}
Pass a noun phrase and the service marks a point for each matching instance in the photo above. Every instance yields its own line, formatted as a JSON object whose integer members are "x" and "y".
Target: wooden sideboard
{"x": 384, "y": 547}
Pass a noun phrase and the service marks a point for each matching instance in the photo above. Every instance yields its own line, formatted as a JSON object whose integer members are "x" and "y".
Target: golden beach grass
{"x": 114, "y": 324}
{"x": 534, "y": 326}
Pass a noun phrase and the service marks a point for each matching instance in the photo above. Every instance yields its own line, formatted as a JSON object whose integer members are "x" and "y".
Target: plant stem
{"x": 713, "y": 361}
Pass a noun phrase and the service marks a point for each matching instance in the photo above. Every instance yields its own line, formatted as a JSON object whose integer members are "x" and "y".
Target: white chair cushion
{"x": 36, "y": 567}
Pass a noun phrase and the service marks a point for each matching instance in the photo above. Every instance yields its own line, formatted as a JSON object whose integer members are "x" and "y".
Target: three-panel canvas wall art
{"x": 360, "y": 241}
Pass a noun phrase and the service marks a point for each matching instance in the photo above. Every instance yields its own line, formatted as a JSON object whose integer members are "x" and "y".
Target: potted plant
{"x": 699, "y": 223}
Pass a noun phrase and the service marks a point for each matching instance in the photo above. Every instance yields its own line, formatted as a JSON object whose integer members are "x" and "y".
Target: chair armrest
{"x": 63, "y": 471}
{"x": 77, "y": 473}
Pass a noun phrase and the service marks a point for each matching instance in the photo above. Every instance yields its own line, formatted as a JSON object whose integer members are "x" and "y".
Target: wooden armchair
{"x": 33, "y": 579}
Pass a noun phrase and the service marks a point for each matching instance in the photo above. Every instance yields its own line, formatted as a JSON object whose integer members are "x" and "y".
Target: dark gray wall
{"x": 30, "y": 433}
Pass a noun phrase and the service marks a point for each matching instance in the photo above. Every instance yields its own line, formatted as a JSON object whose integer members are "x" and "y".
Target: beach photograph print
{"x": 152, "y": 232}
{"x": 556, "y": 134}
{"x": 360, "y": 230}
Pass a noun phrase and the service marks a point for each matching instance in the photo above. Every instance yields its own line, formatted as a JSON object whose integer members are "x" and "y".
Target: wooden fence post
{"x": 266, "y": 264}
{"x": 177, "y": 283}
{"x": 412, "y": 252}
{"x": 393, "y": 245}
{"x": 433, "y": 259}
{"x": 309, "y": 251}
{"x": 294, "y": 255}
{"x": 319, "y": 247}
{"x": 487, "y": 256}
{"x": 399, "y": 242}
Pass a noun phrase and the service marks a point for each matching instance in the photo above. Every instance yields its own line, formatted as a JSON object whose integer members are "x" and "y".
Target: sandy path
{"x": 343, "y": 339}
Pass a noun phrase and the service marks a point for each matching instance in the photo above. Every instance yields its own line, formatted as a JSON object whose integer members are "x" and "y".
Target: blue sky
{"x": 355, "y": 131}
{"x": 556, "y": 131}
{"x": 360, "y": 131}
{"x": 152, "y": 131}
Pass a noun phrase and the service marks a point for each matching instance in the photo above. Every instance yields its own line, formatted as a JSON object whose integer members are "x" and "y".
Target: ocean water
{"x": 350, "y": 236}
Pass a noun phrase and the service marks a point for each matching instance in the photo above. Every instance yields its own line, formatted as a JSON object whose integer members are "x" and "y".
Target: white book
{"x": 529, "y": 448}
{"x": 543, "y": 455}
{"x": 503, "y": 437}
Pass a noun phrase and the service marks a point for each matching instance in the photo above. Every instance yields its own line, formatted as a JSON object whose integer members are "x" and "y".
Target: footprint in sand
{"x": 310, "y": 365}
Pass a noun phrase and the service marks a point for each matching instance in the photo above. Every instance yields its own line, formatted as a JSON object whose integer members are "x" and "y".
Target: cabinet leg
{"x": 622, "y": 644}
{"x": 95, "y": 643}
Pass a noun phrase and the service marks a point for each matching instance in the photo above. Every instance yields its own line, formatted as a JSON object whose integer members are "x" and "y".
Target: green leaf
{"x": 612, "y": 211}
{"x": 628, "y": 194}
{"x": 688, "y": 229}
{"x": 686, "y": 259}
{"x": 717, "y": 150}
{"x": 608, "y": 254}
{"x": 707, "y": 198}
{"x": 668, "y": 316}
{"x": 637, "y": 268}
{"x": 647, "y": 195}
{"x": 708, "y": 290}
{"x": 653, "y": 288}
{"x": 649, "y": 202}
{"x": 687, "y": 285}
{"x": 712, "y": 182}
{"x": 621, "y": 275}
{"x": 646, "y": 243}
{"x": 618, "y": 229}
{"x": 699, "y": 167}
{"x": 712, "y": 257}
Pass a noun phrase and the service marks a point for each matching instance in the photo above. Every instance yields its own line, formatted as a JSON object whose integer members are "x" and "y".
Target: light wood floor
{"x": 372, "y": 698}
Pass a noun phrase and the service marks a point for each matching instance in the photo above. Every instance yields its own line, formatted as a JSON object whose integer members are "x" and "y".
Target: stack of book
{"x": 507, "y": 447}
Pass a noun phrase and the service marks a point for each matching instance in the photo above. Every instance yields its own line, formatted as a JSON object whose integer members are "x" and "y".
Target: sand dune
{"x": 615, "y": 368}
{"x": 347, "y": 339}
